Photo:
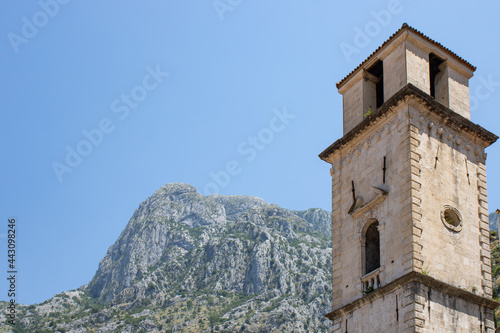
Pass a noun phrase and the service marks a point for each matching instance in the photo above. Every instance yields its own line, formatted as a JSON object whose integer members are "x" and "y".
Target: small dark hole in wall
{"x": 451, "y": 217}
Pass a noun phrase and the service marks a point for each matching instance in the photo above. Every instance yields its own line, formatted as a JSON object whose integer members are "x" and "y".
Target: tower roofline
{"x": 453, "y": 118}
{"x": 405, "y": 28}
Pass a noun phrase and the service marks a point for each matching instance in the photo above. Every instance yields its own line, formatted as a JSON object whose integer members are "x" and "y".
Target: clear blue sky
{"x": 172, "y": 91}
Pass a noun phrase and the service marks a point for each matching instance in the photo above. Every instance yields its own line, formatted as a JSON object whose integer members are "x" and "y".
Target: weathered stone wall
{"x": 369, "y": 94}
{"x": 407, "y": 61}
{"x": 377, "y": 316}
{"x": 440, "y": 311}
{"x": 451, "y": 179}
{"x": 417, "y": 67}
{"x": 441, "y": 86}
{"x": 361, "y": 162}
{"x": 452, "y": 90}
{"x": 413, "y": 236}
{"x": 435, "y": 160}
{"x": 353, "y": 106}
{"x": 415, "y": 307}
{"x": 458, "y": 90}
{"x": 394, "y": 71}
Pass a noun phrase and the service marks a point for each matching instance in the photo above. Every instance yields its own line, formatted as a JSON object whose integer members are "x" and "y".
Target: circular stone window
{"x": 451, "y": 218}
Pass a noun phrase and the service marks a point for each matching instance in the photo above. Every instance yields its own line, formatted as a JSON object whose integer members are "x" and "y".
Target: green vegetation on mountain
{"x": 190, "y": 263}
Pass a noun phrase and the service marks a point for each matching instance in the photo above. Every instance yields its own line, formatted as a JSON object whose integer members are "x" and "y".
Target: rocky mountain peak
{"x": 230, "y": 263}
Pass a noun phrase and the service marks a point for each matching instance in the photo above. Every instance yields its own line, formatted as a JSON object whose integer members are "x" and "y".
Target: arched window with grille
{"x": 371, "y": 257}
{"x": 372, "y": 248}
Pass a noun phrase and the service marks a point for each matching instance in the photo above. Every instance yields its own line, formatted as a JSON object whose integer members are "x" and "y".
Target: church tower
{"x": 410, "y": 226}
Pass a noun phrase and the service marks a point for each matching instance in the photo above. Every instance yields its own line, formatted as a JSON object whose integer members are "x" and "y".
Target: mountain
{"x": 494, "y": 221}
{"x": 192, "y": 263}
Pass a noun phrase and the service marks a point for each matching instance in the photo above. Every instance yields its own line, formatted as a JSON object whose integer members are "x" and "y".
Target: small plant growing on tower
{"x": 369, "y": 112}
{"x": 369, "y": 290}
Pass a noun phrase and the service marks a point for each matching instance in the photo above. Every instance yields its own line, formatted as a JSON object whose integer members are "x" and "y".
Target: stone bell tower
{"x": 410, "y": 226}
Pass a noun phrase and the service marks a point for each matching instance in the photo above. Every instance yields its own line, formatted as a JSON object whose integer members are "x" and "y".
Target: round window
{"x": 451, "y": 218}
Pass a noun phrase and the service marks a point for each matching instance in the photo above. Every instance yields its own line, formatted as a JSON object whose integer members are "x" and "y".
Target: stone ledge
{"x": 413, "y": 277}
{"x": 451, "y": 118}
{"x": 357, "y": 211}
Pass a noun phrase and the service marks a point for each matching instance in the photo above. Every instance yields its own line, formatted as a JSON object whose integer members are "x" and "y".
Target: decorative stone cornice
{"x": 448, "y": 116}
{"x": 408, "y": 278}
{"x": 357, "y": 211}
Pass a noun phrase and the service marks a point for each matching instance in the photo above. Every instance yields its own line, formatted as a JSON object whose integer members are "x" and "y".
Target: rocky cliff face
{"x": 494, "y": 221}
{"x": 158, "y": 232}
{"x": 190, "y": 263}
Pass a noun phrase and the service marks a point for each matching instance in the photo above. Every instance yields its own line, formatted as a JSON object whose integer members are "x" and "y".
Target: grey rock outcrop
{"x": 494, "y": 221}
{"x": 192, "y": 263}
